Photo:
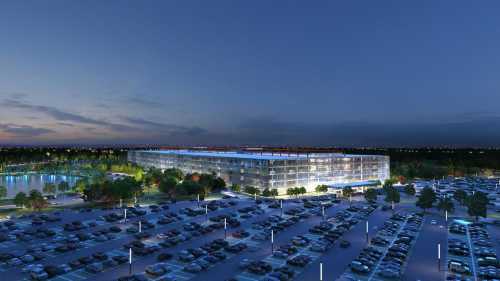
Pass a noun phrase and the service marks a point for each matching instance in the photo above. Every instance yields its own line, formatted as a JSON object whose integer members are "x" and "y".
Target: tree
{"x": 190, "y": 188}
{"x": 388, "y": 183}
{"x": 347, "y": 192}
{"x": 63, "y": 186}
{"x": 460, "y": 196}
{"x": 251, "y": 190}
{"x": 321, "y": 188}
{"x": 426, "y": 199}
{"x": 112, "y": 191}
{"x": 3, "y": 191}
{"x": 410, "y": 189}
{"x": 49, "y": 188}
{"x": 302, "y": 190}
{"x": 371, "y": 195}
{"x": 168, "y": 186}
{"x": 274, "y": 192}
{"x": 290, "y": 191}
{"x": 218, "y": 184}
{"x": 36, "y": 200}
{"x": 174, "y": 172}
{"x": 266, "y": 192}
{"x": 21, "y": 200}
{"x": 80, "y": 185}
{"x": 477, "y": 205}
{"x": 445, "y": 204}
{"x": 235, "y": 187}
{"x": 392, "y": 195}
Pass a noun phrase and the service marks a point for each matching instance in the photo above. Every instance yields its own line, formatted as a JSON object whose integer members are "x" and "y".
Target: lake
{"x": 25, "y": 183}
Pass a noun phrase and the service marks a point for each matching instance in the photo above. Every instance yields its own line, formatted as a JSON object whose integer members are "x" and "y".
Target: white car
{"x": 161, "y": 236}
{"x": 433, "y": 222}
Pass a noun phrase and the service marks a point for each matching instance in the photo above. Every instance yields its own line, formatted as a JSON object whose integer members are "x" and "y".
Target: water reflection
{"x": 25, "y": 183}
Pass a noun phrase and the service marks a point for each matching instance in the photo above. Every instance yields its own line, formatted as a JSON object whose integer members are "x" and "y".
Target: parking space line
{"x": 473, "y": 262}
{"x": 371, "y": 276}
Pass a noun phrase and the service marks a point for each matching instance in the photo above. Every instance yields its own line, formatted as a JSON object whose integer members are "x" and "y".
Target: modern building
{"x": 273, "y": 170}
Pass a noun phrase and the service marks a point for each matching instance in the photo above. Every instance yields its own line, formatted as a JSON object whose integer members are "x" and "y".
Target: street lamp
{"x": 225, "y": 228}
{"x": 439, "y": 256}
{"x": 320, "y": 271}
{"x": 125, "y": 215}
{"x": 323, "y": 211}
{"x": 140, "y": 226}
{"x": 281, "y": 206}
{"x": 206, "y": 212}
{"x": 272, "y": 240}
{"x": 198, "y": 200}
{"x": 130, "y": 261}
{"x": 367, "y": 228}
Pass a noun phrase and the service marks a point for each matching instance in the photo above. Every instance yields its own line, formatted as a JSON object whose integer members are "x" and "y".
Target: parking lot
{"x": 247, "y": 240}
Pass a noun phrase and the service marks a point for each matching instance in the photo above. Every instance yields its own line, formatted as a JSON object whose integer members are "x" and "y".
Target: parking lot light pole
{"x": 140, "y": 226}
{"x": 367, "y": 228}
{"x": 281, "y": 207}
{"x": 135, "y": 200}
{"x": 255, "y": 196}
{"x": 206, "y": 212}
{"x": 446, "y": 216}
{"x": 130, "y": 261}
{"x": 272, "y": 240}
{"x": 198, "y": 200}
{"x": 439, "y": 256}
{"x": 121, "y": 203}
{"x": 225, "y": 228}
{"x": 320, "y": 271}
{"x": 125, "y": 215}
{"x": 323, "y": 211}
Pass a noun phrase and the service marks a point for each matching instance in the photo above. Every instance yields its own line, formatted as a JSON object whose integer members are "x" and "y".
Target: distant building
{"x": 272, "y": 170}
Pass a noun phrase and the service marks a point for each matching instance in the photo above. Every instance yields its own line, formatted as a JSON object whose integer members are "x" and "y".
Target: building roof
{"x": 230, "y": 154}
{"x": 253, "y": 155}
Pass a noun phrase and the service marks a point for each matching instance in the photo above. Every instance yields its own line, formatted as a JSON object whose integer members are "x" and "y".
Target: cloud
{"x": 60, "y": 115}
{"x": 52, "y": 111}
{"x": 23, "y": 131}
{"x": 136, "y": 100}
{"x": 464, "y": 133}
{"x": 163, "y": 129}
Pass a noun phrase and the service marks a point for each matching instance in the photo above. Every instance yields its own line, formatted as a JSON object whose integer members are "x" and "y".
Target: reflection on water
{"x": 25, "y": 183}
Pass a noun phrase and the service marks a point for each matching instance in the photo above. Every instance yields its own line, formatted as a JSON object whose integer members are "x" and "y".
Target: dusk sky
{"x": 326, "y": 73}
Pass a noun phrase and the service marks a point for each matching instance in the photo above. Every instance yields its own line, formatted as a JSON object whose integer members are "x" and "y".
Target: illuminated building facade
{"x": 272, "y": 170}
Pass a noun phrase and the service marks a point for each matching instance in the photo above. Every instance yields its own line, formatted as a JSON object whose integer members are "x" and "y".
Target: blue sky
{"x": 385, "y": 73}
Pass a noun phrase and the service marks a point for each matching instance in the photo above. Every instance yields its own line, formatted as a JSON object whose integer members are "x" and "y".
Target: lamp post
{"x": 225, "y": 228}
{"x": 140, "y": 226}
{"x": 367, "y": 228}
{"x": 320, "y": 271}
{"x": 121, "y": 203}
{"x": 125, "y": 215}
{"x": 281, "y": 207}
{"x": 446, "y": 216}
{"x": 272, "y": 240}
{"x": 206, "y": 212}
{"x": 323, "y": 211}
{"x": 198, "y": 200}
{"x": 130, "y": 261}
{"x": 135, "y": 200}
{"x": 439, "y": 256}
